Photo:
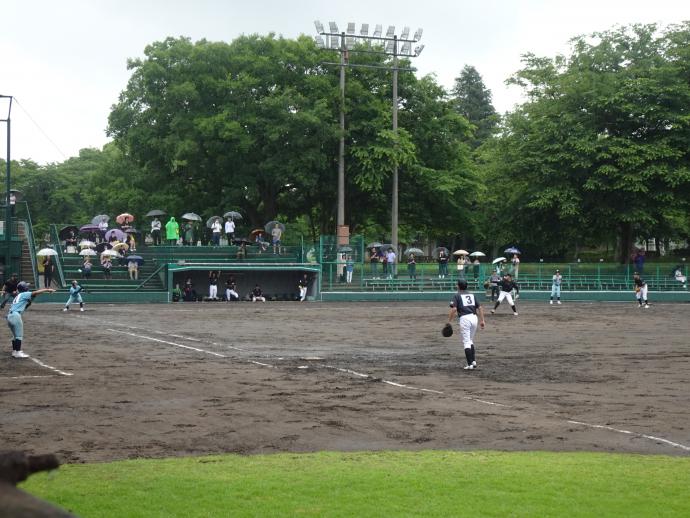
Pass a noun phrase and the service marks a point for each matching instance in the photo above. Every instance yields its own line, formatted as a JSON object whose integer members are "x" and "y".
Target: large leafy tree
{"x": 600, "y": 150}
{"x": 472, "y": 100}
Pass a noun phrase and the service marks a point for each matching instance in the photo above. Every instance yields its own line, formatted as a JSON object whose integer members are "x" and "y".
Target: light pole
{"x": 344, "y": 42}
{"x": 8, "y": 186}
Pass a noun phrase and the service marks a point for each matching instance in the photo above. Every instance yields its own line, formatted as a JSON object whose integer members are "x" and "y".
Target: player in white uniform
{"x": 556, "y": 287}
{"x": 640, "y": 290}
{"x": 466, "y": 307}
{"x": 507, "y": 285}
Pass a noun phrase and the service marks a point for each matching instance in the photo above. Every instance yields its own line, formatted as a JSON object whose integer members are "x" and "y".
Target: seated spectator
{"x": 107, "y": 267}
{"x": 133, "y": 269}
{"x": 86, "y": 268}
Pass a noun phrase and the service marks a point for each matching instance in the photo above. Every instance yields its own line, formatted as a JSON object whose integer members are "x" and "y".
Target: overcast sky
{"x": 65, "y": 61}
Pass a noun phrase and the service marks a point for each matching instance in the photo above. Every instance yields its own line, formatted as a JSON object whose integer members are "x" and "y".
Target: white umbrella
{"x": 498, "y": 260}
{"x": 477, "y": 254}
{"x": 111, "y": 253}
{"x": 86, "y": 244}
{"x": 461, "y": 252}
{"x": 47, "y": 251}
{"x": 87, "y": 251}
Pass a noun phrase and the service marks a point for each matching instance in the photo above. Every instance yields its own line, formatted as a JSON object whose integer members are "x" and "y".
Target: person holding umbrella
{"x": 216, "y": 229}
{"x": 230, "y": 230}
{"x": 412, "y": 267}
{"x": 14, "y": 316}
{"x": 442, "y": 263}
{"x": 48, "y": 268}
{"x": 172, "y": 231}
{"x": 156, "y": 231}
{"x": 276, "y": 234}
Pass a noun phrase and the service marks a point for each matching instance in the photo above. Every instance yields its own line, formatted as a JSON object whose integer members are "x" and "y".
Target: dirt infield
{"x": 131, "y": 381}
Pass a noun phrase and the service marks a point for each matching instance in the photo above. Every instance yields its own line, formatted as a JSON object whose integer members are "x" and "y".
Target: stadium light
{"x": 345, "y": 42}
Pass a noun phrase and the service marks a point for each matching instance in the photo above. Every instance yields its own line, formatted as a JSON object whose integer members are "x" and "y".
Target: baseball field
{"x": 196, "y": 379}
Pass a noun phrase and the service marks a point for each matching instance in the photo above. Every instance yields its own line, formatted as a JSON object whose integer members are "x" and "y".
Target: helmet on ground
{"x": 23, "y": 286}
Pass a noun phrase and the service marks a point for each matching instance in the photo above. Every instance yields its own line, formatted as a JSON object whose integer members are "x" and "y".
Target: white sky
{"x": 65, "y": 61}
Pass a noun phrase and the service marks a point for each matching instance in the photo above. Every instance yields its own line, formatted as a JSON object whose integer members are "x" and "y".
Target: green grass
{"x": 428, "y": 483}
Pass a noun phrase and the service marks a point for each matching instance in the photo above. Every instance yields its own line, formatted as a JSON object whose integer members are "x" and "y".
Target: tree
{"x": 472, "y": 100}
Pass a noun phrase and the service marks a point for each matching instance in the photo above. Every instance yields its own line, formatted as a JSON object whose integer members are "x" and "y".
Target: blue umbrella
{"x": 139, "y": 259}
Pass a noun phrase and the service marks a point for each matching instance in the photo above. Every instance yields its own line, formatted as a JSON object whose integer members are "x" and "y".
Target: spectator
{"x": 86, "y": 268}
{"x": 639, "y": 261}
{"x": 48, "y": 268}
{"x": 216, "y": 229}
{"x": 172, "y": 231}
{"x": 156, "y": 231}
{"x": 133, "y": 269}
{"x": 349, "y": 269}
{"x": 374, "y": 262}
{"x": 516, "y": 265}
{"x": 107, "y": 266}
{"x": 189, "y": 233}
{"x": 276, "y": 235}
{"x": 462, "y": 260}
{"x": 230, "y": 230}
{"x": 442, "y": 263}
{"x": 475, "y": 268}
{"x": 412, "y": 267}
{"x": 390, "y": 259}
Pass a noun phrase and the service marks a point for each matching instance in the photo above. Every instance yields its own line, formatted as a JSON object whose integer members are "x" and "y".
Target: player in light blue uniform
{"x": 14, "y": 317}
{"x": 74, "y": 296}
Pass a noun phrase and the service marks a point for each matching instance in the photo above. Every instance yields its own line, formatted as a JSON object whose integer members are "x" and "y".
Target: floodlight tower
{"x": 376, "y": 44}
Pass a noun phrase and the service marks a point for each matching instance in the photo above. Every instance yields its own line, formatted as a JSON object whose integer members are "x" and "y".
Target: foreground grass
{"x": 428, "y": 483}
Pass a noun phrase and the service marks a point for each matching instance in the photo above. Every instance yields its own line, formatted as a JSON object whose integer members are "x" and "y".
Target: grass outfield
{"x": 427, "y": 483}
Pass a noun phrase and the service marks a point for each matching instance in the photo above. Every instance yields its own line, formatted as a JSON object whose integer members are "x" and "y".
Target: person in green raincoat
{"x": 172, "y": 231}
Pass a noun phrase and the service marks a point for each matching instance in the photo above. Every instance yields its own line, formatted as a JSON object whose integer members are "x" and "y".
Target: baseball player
{"x": 74, "y": 296}
{"x": 14, "y": 317}
{"x": 556, "y": 287}
{"x": 640, "y": 290}
{"x": 507, "y": 285}
{"x": 303, "y": 285}
{"x": 466, "y": 307}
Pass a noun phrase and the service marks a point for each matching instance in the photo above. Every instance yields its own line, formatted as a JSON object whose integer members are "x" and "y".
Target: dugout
{"x": 278, "y": 282}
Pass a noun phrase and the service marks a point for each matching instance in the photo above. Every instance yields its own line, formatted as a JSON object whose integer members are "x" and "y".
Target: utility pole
{"x": 344, "y": 42}
{"x": 8, "y": 186}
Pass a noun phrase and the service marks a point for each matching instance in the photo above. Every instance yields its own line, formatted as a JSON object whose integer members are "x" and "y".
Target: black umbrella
{"x": 66, "y": 232}
{"x": 155, "y": 212}
{"x": 241, "y": 241}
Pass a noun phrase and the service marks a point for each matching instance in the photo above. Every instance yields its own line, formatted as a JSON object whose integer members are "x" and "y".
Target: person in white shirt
{"x": 390, "y": 259}
{"x": 276, "y": 234}
{"x": 156, "y": 231}
{"x": 216, "y": 229}
{"x": 230, "y": 230}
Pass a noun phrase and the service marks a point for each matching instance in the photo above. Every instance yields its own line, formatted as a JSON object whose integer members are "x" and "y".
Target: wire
{"x": 40, "y": 129}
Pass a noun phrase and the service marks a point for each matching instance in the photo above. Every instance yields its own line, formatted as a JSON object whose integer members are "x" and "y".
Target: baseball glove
{"x": 447, "y": 330}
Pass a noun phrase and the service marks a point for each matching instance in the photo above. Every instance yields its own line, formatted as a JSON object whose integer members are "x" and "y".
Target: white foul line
{"x": 392, "y": 383}
{"x": 39, "y": 362}
{"x": 26, "y": 377}
{"x": 628, "y": 432}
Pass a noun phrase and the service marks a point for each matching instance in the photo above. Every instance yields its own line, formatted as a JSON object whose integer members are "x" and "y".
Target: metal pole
{"x": 394, "y": 210}
{"x": 341, "y": 151}
{"x": 8, "y": 209}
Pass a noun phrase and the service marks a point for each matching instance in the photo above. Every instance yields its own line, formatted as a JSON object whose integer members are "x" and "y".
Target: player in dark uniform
{"x": 507, "y": 285}
{"x": 9, "y": 289}
{"x": 466, "y": 307}
{"x": 640, "y": 290}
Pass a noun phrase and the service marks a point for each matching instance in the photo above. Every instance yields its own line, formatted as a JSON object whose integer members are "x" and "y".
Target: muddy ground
{"x": 131, "y": 381}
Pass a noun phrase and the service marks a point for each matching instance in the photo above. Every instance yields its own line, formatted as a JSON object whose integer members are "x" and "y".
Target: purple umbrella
{"x": 88, "y": 228}
{"x": 119, "y": 234}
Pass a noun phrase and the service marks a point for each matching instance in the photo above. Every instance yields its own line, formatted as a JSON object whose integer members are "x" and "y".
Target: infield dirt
{"x": 202, "y": 378}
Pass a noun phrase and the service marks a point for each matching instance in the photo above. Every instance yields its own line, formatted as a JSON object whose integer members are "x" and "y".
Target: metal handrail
{"x": 55, "y": 241}
{"x": 155, "y": 272}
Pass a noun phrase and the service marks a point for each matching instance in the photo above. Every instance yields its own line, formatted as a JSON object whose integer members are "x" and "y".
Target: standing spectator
{"x": 86, "y": 268}
{"x": 231, "y": 290}
{"x": 556, "y": 281}
{"x": 107, "y": 266}
{"x": 133, "y": 269}
{"x": 461, "y": 266}
{"x": 276, "y": 235}
{"x": 8, "y": 289}
{"x": 639, "y": 261}
{"x": 156, "y": 231}
{"x": 257, "y": 294}
{"x": 13, "y": 202}
{"x": 14, "y": 316}
{"x": 102, "y": 228}
{"x": 494, "y": 280}
{"x": 172, "y": 231}
{"x": 390, "y": 260}
{"x": 230, "y": 230}
{"x": 48, "y": 268}
{"x": 74, "y": 296}
{"x": 476, "y": 265}
{"x": 516, "y": 265}
{"x": 188, "y": 233}
{"x": 442, "y": 264}
{"x": 384, "y": 263}
{"x": 216, "y": 229}
{"x": 213, "y": 285}
{"x": 349, "y": 269}
{"x": 374, "y": 262}
{"x": 303, "y": 285}
{"x": 412, "y": 267}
